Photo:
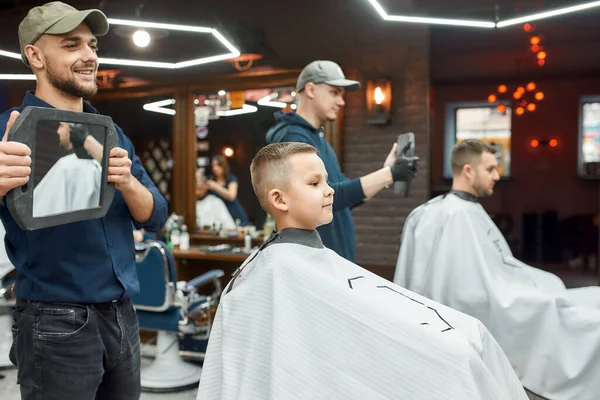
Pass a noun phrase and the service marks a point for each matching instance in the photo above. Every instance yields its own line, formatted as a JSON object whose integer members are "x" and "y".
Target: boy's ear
{"x": 277, "y": 200}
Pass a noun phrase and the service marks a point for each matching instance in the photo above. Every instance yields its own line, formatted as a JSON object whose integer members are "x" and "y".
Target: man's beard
{"x": 69, "y": 86}
{"x": 481, "y": 191}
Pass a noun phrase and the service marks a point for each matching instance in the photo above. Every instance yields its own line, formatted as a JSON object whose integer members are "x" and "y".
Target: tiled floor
{"x": 10, "y": 391}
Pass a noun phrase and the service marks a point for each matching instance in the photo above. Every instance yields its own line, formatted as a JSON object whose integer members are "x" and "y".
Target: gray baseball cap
{"x": 57, "y": 18}
{"x": 325, "y": 72}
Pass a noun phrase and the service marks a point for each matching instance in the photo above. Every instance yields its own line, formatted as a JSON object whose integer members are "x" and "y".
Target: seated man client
{"x": 453, "y": 253}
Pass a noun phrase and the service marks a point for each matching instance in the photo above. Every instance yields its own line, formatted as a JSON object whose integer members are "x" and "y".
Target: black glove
{"x": 78, "y": 133}
{"x": 404, "y": 169}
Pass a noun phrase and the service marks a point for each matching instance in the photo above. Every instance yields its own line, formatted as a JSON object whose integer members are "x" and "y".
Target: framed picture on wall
{"x": 481, "y": 121}
{"x": 203, "y": 145}
{"x": 589, "y": 137}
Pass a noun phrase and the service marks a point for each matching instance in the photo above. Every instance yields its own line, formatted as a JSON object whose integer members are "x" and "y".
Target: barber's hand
{"x": 404, "y": 169}
{"x": 119, "y": 169}
{"x": 77, "y": 134}
{"x": 15, "y": 160}
{"x": 391, "y": 158}
{"x": 210, "y": 184}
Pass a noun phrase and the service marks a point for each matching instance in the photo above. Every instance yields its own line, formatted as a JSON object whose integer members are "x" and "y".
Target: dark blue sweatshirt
{"x": 339, "y": 234}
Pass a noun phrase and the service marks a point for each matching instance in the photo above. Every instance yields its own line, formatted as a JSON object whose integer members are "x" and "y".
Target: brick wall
{"x": 379, "y": 221}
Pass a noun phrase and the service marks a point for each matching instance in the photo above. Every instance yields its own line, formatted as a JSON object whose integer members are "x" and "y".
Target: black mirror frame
{"x": 20, "y": 200}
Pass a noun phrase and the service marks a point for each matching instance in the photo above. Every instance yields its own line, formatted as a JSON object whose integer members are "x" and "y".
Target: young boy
{"x": 300, "y": 322}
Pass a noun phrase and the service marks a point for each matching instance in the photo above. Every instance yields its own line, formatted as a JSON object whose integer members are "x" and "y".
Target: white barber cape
{"x": 71, "y": 184}
{"x": 453, "y": 253}
{"x": 212, "y": 210}
{"x": 301, "y": 322}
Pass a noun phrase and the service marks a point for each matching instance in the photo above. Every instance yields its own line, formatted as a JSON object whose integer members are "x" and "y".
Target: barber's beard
{"x": 69, "y": 86}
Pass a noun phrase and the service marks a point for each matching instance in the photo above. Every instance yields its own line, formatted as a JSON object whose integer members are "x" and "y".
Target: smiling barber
{"x": 76, "y": 332}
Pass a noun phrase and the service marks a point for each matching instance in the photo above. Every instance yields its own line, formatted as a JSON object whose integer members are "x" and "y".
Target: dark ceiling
{"x": 277, "y": 29}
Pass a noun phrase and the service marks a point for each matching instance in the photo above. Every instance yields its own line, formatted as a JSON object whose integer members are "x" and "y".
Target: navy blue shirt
{"x": 235, "y": 208}
{"x": 83, "y": 262}
{"x": 338, "y": 235}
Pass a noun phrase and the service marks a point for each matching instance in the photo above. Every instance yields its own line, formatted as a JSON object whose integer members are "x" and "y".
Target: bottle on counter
{"x": 268, "y": 227}
{"x": 168, "y": 230}
{"x": 184, "y": 238}
{"x": 247, "y": 242}
{"x": 175, "y": 237}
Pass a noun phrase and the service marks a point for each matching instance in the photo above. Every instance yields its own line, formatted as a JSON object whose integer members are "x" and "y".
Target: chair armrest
{"x": 210, "y": 276}
{"x": 197, "y": 302}
{"x": 200, "y": 307}
{"x": 141, "y": 246}
{"x": 195, "y": 305}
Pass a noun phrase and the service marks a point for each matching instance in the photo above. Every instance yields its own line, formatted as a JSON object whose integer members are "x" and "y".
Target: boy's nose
{"x": 329, "y": 191}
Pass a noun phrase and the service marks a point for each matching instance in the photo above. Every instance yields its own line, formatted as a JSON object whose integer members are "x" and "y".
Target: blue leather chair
{"x": 177, "y": 311}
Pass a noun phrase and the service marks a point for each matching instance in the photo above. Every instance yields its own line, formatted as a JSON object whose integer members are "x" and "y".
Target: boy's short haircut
{"x": 270, "y": 168}
{"x": 468, "y": 151}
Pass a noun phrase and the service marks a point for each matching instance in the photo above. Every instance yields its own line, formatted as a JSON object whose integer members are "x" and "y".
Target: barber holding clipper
{"x": 320, "y": 92}
{"x": 75, "y": 329}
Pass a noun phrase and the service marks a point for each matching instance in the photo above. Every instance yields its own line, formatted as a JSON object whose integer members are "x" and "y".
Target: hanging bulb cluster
{"x": 524, "y": 97}
{"x": 535, "y": 45}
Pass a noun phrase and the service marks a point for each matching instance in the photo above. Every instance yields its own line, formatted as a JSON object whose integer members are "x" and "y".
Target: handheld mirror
{"x": 69, "y": 167}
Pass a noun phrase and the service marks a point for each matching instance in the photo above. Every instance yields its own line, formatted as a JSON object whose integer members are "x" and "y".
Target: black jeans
{"x": 76, "y": 351}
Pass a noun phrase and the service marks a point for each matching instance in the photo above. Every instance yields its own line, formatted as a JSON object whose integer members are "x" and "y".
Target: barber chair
{"x": 176, "y": 310}
{"x": 7, "y": 302}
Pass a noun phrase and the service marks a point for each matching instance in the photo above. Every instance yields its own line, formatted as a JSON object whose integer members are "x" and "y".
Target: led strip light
{"x": 232, "y": 50}
{"x": 267, "y": 101}
{"x": 158, "y": 106}
{"x": 481, "y": 24}
{"x": 549, "y": 14}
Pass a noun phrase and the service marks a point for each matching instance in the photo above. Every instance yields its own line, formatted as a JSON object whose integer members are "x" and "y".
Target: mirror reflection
{"x": 230, "y": 127}
{"x": 218, "y": 202}
{"x": 67, "y": 167}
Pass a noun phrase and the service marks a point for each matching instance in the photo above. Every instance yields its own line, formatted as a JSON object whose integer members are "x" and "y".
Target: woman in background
{"x": 224, "y": 185}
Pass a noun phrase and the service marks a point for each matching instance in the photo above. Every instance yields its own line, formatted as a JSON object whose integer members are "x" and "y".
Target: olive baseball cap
{"x": 325, "y": 72}
{"x": 57, "y": 18}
